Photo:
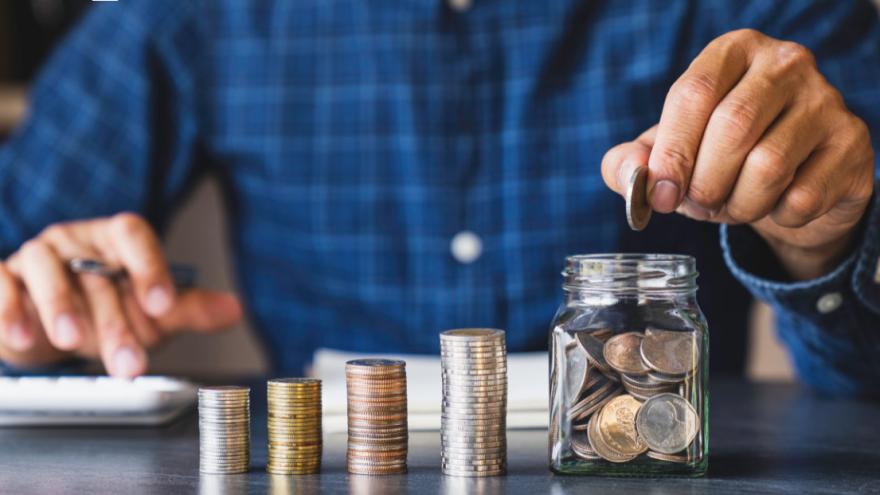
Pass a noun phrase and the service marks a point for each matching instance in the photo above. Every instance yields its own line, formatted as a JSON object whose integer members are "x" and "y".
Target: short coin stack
{"x": 224, "y": 429}
{"x": 473, "y": 424}
{"x": 295, "y": 435}
{"x": 378, "y": 435}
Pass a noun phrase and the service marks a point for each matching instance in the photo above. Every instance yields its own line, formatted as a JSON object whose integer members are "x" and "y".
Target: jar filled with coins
{"x": 629, "y": 361}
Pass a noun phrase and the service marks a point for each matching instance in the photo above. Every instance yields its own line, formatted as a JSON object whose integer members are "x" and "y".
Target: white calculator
{"x": 93, "y": 400}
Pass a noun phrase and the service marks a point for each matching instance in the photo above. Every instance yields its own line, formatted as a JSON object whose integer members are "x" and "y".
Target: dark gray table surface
{"x": 764, "y": 439}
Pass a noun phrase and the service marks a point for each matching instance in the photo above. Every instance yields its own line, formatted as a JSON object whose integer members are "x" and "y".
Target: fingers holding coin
{"x": 752, "y": 133}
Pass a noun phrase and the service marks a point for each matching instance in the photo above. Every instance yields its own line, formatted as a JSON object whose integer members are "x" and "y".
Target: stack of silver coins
{"x": 473, "y": 430}
{"x": 224, "y": 429}
{"x": 378, "y": 435}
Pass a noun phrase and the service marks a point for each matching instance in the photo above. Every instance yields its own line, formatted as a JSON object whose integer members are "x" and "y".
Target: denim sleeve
{"x": 831, "y": 325}
{"x": 111, "y": 124}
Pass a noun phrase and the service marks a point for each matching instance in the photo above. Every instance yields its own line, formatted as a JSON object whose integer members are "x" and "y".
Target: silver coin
{"x": 664, "y": 378}
{"x": 225, "y": 390}
{"x": 638, "y": 209}
{"x": 645, "y": 381}
{"x": 465, "y": 334}
{"x": 466, "y": 461}
{"x": 494, "y": 450}
{"x": 451, "y": 427}
{"x": 595, "y": 350}
{"x": 472, "y": 466}
{"x": 594, "y": 406}
{"x": 463, "y": 379}
{"x": 580, "y": 445}
{"x": 575, "y": 373}
{"x": 667, "y": 423}
{"x": 455, "y": 471}
{"x": 472, "y": 409}
{"x": 644, "y": 393}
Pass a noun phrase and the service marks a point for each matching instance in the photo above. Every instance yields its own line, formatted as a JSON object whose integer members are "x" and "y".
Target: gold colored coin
{"x": 617, "y": 425}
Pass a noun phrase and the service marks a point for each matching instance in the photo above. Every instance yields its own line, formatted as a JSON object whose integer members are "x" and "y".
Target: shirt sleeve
{"x": 111, "y": 123}
{"x": 830, "y": 325}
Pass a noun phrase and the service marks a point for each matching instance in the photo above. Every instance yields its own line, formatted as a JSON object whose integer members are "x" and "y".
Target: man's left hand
{"x": 752, "y": 133}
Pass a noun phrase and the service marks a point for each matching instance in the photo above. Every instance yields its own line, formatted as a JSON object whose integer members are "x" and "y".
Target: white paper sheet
{"x": 527, "y": 385}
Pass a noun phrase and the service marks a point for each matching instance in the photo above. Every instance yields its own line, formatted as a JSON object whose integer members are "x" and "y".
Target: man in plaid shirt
{"x": 393, "y": 169}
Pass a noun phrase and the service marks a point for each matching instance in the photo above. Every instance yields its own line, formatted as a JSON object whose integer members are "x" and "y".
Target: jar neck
{"x": 593, "y": 297}
{"x": 644, "y": 276}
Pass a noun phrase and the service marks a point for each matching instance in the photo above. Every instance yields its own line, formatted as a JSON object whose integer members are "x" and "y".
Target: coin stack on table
{"x": 224, "y": 429}
{"x": 629, "y": 394}
{"x": 294, "y": 422}
{"x": 378, "y": 436}
{"x": 473, "y": 432}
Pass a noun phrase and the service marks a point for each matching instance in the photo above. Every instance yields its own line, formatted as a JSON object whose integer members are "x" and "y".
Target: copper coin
{"x": 670, "y": 352}
{"x": 638, "y": 209}
{"x": 623, "y": 353}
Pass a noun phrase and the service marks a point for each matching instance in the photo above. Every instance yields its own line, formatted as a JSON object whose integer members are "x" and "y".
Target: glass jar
{"x": 629, "y": 366}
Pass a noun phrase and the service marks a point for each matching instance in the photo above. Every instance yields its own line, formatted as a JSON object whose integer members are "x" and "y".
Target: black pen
{"x": 184, "y": 275}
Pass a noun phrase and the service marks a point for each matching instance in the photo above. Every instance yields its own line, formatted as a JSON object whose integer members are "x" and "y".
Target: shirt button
{"x": 466, "y": 247}
{"x": 829, "y": 302}
{"x": 460, "y": 5}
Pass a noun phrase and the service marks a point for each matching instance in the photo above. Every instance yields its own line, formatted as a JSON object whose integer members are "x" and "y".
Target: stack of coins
{"x": 473, "y": 432}
{"x": 295, "y": 435}
{"x": 224, "y": 429}
{"x": 378, "y": 436}
{"x": 629, "y": 395}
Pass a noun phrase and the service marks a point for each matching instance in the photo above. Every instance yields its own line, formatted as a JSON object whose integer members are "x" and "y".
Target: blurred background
{"x": 28, "y": 31}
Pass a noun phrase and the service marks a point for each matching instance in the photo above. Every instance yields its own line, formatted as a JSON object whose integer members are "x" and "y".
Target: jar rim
{"x": 627, "y": 272}
{"x": 631, "y": 257}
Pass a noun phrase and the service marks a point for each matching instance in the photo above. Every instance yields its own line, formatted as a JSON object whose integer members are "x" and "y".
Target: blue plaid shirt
{"x": 355, "y": 139}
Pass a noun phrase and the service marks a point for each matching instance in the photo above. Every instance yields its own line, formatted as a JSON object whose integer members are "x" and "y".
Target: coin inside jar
{"x": 595, "y": 350}
{"x": 623, "y": 353}
{"x": 670, "y": 352}
{"x": 602, "y": 449}
{"x": 576, "y": 372}
{"x": 617, "y": 426}
{"x": 667, "y": 423}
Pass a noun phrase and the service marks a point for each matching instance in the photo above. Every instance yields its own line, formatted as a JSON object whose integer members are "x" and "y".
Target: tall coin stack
{"x": 224, "y": 429}
{"x": 295, "y": 434}
{"x": 378, "y": 436}
{"x": 473, "y": 431}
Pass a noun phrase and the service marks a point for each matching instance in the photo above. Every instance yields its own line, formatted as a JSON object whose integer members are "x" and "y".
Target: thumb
{"x": 620, "y": 161}
{"x": 203, "y": 311}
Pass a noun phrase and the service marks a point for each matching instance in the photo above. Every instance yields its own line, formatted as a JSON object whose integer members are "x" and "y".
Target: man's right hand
{"x": 48, "y": 313}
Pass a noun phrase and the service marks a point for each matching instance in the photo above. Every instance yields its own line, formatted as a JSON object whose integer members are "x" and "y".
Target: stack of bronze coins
{"x": 377, "y": 416}
{"x": 473, "y": 431}
{"x": 224, "y": 429}
{"x": 295, "y": 435}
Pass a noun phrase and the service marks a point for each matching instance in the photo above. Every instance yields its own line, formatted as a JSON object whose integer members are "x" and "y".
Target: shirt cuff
{"x": 755, "y": 265}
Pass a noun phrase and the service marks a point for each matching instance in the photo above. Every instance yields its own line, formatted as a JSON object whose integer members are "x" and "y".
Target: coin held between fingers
{"x": 638, "y": 209}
